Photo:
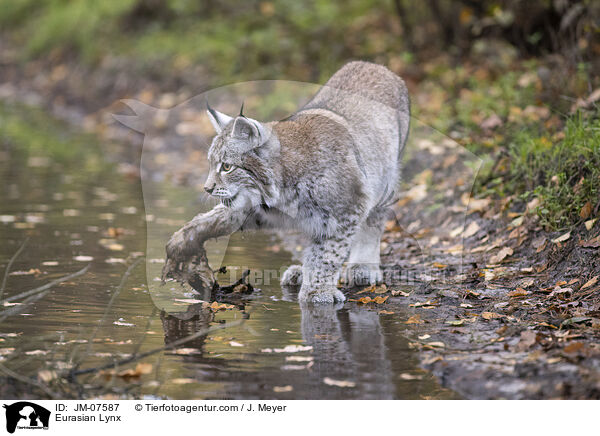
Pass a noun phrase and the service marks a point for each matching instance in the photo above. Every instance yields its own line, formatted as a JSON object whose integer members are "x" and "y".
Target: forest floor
{"x": 500, "y": 290}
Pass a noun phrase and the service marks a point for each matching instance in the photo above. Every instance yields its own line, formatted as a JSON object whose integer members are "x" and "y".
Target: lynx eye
{"x": 226, "y": 168}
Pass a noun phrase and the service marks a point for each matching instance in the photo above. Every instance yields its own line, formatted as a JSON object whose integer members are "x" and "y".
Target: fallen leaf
{"x": 339, "y": 383}
{"x": 592, "y": 243}
{"x": 364, "y": 300}
{"x": 216, "y": 306}
{"x": 439, "y": 265}
{"x": 490, "y": 315}
{"x": 471, "y": 229}
{"x": 436, "y": 344}
{"x": 83, "y": 258}
{"x": 235, "y": 344}
{"x": 528, "y": 339}
{"x": 502, "y": 254}
{"x": 427, "y": 303}
{"x": 46, "y": 376}
{"x": 562, "y": 238}
{"x": 586, "y": 211}
{"x": 406, "y": 376}
{"x": 288, "y": 349}
{"x": 415, "y": 319}
{"x": 400, "y": 293}
{"x": 299, "y": 358}
{"x": 519, "y": 292}
{"x": 589, "y": 224}
{"x": 37, "y": 352}
{"x": 279, "y": 389}
{"x": 182, "y": 381}
{"x": 590, "y": 283}
{"x": 380, "y": 289}
{"x": 187, "y": 351}
{"x": 423, "y": 337}
{"x": 456, "y": 322}
{"x": 385, "y": 312}
{"x": 32, "y": 271}
{"x": 380, "y": 300}
{"x": 573, "y": 347}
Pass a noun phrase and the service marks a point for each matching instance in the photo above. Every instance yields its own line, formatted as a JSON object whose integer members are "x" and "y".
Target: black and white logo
{"x": 26, "y": 415}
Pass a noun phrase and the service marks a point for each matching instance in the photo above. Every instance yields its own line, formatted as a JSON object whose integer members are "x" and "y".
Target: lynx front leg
{"x": 323, "y": 261}
{"x": 186, "y": 258}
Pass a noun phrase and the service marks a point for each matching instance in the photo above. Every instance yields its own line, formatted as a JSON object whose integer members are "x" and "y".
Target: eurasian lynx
{"x": 329, "y": 170}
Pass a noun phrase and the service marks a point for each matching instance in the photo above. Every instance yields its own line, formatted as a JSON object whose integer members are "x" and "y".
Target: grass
{"x": 562, "y": 171}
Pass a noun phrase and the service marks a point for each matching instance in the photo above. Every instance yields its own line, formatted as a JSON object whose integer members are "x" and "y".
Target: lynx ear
{"x": 245, "y": 128}
{"x": 217, "y": 119}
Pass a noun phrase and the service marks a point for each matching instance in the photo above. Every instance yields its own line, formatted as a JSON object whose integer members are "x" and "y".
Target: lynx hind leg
{"x": 292, "y": 277}
{"x": 363, "y": 265}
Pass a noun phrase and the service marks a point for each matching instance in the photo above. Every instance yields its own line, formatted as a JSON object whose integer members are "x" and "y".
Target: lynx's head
{"x": 241, "y": 157}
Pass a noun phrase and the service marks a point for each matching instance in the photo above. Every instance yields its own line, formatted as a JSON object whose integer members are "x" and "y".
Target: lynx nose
{"x": 209, "y": 189}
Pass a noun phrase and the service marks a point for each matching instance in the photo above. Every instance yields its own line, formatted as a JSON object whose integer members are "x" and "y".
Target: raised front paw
{"x": 323, "y": 295}
{"x": 292, "y": 277}
{"x": 181, "y": 245}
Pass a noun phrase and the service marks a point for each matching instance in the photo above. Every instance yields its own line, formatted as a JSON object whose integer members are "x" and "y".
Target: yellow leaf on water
{"x": 339, "y": 383}
{"x": 287, "y": 388}
{"x": 439, "y": 265}
{"x": 235, "y": 344}
{"x": 182, "y": 381}
{"x": 380, "y": 300}
{"x": 415, "y": 319}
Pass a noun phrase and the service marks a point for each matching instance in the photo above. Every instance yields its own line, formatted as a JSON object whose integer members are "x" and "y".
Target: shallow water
{"x": 79, "y": 209}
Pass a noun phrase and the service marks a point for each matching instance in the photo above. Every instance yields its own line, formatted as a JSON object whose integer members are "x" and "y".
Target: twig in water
{"x": 46, "y": 286}
{"x": 8, "y": 267}
{"x": 35, "y": 294}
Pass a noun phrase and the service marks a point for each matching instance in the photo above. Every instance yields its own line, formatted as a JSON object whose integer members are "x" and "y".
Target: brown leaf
{"x": 519, "y": 292}
{"x": 490, "y": 315}
{"x": 400, "y": 293}
{"x": 415, "y": 319}
{"x": 385, "y": 312}
{"x": 503, "y": 253}
{"x": 528, "y": 339}
{"x": 573, "y": 347}
{"x": 586, "y": 211}
{"x": 589, "y": 283}
{"x": 380, "y": 300}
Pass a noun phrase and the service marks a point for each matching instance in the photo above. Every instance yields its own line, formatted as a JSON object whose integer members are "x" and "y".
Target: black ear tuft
{"x": 242, "y": 111}
{"x": 211, "y": 110}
